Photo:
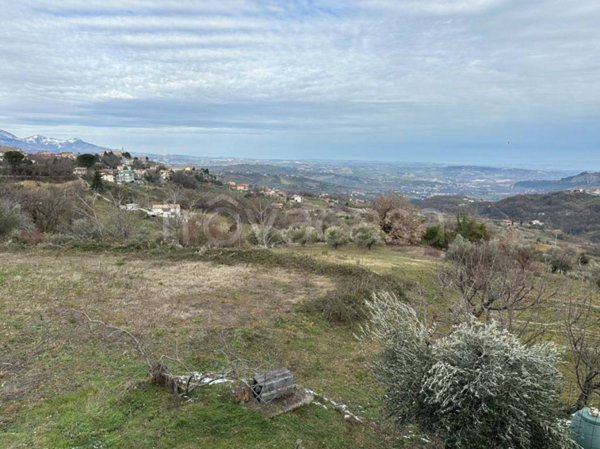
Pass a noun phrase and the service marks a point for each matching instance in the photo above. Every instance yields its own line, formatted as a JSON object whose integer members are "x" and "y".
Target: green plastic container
{"x": 585, "y": 427}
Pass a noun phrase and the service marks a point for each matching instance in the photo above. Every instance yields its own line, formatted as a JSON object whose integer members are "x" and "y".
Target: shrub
{"x": 525, "y": 256}
{"x": 584, "y": 259}
{"x": 438, "y": 236}
{"x": 477, "y": 387}
{"x": 346, "y": 304}
{"x": 208, "y": 229}
{"x": 471, "y": 229}
{"x": 10, "y": 218}
{"x": 265, "y": 236}
{"x": 86, "y": 229}
{"x": 561, "y": 263}
{"x": 366, "y": 236}
{"x": 336, "y": 236}
{"x": 304, "y": 235}
{"x": 52, "y": 208}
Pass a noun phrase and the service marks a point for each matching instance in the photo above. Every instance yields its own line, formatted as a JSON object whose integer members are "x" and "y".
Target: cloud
{"x": 379, "y": 67}
{"x": 438, "y": 7}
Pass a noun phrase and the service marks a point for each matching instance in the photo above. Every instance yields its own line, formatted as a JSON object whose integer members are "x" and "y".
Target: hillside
{"x": 582, "y": 180}
{"x": 201, "y": 296}
{"x": 368, "y": 179}
{"x": 276, "y": 177}
{"x": 574, "y": 213}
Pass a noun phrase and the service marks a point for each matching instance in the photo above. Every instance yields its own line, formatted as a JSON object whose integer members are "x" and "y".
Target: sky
{"x": 499, "y": 82}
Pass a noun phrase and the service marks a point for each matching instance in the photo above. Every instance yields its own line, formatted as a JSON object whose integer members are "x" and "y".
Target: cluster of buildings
{"x": 239, "y": 187}
{"x": 157, "y": 210}
{"x": 61, "y": 155}
{"x": 276, "y": 193}
{"x": 594, "y": 191}
{"x": 268, "y": 191}
{"x": 328, "y": 199}
{"x": 124, "y": 174}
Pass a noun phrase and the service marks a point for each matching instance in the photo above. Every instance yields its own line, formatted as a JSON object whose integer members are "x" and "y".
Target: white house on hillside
{"x": 125, "y": 175}
{"x": 80, "y": 171}
{"x": 166, "y": 210}
{"x": 107, "y": 175}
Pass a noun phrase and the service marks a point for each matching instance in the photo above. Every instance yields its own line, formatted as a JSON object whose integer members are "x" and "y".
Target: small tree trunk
{"x": 586, "y": 392}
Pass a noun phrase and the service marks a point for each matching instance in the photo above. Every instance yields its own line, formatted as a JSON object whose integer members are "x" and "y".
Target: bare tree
{"x": 581, "y": 330}
{"x": 262, "y": 216}
{"x": 121, "y": 224}
{"x": 117, "y": 223}
{"x": 398, "y": 219}
{"x": 88, "y": 225}
{"x": 173, "y": 194}
{"x": 493, "y": 284}
{"x": 51, "y": 207}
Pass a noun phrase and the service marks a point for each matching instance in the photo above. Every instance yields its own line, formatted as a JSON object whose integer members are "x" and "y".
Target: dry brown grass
{"x": 146, "y": 293}
{"x": 163, "y": 302}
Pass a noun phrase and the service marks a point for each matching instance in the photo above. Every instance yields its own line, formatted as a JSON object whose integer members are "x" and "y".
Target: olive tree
{"x": 477, "y": 387}
{"x": 336, "y": 236}
{"x": 10, "y": 218}
{"x": 303, "y": 235}
{"x": 367, "y": 236}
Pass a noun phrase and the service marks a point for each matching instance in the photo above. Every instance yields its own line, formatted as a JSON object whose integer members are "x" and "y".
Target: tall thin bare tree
{"x": 582, "y": 330}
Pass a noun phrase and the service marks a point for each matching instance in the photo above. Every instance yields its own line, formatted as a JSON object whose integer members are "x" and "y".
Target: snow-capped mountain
{"x": 7, "y": 135}
{"x": 41, "y": 143}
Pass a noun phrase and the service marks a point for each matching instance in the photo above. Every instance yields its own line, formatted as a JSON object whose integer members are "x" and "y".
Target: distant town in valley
{"x": 360, "y": 180}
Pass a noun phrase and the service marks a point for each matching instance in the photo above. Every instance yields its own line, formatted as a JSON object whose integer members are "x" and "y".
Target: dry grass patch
{"x": 146, "y": 293}
{"x": 46, "y": 347}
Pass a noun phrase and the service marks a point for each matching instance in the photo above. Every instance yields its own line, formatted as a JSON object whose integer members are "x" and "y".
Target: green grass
{"x": 66, "y": 385}
{"x": 144, "y": 416}
{"x": 409, "y": 265}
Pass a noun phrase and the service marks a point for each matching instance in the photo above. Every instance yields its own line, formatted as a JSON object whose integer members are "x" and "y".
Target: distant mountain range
{"x": 582, "y": 180}
{"x": 40, "y": 143}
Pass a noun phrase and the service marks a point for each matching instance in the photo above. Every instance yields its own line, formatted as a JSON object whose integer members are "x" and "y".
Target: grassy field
{"x": 65, "y": 383}
{"x": 412, "y": 263}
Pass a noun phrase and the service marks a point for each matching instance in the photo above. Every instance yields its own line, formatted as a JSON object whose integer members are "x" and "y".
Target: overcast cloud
{"x": 447, "y": 80}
